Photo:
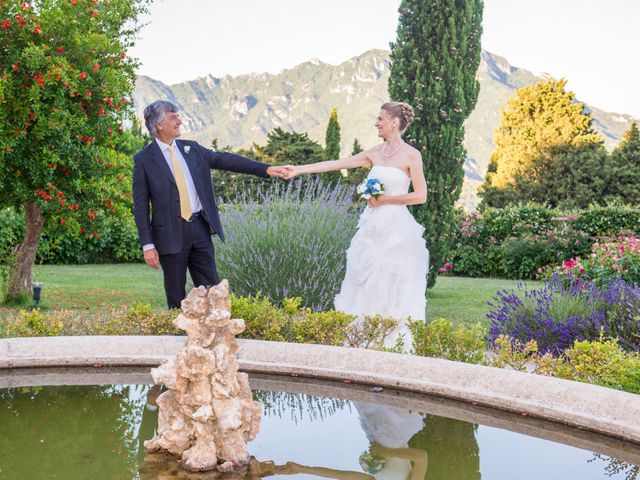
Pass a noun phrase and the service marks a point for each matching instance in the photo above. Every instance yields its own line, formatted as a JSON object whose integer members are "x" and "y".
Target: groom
{"x": 173, "y": 178}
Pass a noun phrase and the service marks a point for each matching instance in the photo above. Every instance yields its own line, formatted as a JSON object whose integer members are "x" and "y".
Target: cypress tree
{"x": 332, "y": 137}
{"x": 357, "y": 148}
{"x": 434, "y": 61}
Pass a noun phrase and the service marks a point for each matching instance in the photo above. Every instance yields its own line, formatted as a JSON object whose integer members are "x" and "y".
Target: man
{"x": 173, "y": 176}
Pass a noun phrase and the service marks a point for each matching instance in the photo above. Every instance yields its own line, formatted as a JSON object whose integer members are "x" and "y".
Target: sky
{"x": 592, "y": 43}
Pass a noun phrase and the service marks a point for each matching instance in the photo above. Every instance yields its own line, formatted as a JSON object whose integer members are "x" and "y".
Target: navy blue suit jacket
{"x": 156, "y": 204}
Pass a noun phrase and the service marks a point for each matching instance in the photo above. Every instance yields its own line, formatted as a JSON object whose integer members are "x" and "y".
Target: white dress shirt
{"x": 196, "y": 206}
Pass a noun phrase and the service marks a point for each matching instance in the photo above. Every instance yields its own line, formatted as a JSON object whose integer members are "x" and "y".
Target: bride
{"x": 387, "y": 260}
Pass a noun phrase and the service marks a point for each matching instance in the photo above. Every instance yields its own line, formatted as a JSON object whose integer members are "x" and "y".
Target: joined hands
{"x": 286, "y": 172}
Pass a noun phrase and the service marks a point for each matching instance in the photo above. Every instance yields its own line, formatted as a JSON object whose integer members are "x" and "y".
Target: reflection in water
{"x": 452, "y": 446}
{"x": 97, "y": 433}
{"x": 297, "y": 406}
{"x": 389, "y": 430}
{"x": 616, "y": 467}
{"x": 41, "y": 430}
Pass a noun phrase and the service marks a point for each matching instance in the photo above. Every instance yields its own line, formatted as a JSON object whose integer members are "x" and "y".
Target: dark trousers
{"x": 196, "y": 255}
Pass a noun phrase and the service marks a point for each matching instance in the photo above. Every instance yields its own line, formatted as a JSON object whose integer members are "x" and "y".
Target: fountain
{"x": 207, "y": 414}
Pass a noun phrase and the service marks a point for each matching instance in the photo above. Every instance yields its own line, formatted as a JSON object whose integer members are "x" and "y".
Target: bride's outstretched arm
{"x": 359, "y": 160}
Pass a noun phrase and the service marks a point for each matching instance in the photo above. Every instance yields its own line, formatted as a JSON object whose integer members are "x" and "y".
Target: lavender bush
{"x": 290, "y": 242}
{"x": 566, "y": 309}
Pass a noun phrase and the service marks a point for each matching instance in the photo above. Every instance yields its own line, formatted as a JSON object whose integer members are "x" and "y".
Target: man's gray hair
{"x": 154, "y": 114}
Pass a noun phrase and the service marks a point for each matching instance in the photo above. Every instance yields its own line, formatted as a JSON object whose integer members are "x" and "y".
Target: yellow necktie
{"x": 178, "y": 174}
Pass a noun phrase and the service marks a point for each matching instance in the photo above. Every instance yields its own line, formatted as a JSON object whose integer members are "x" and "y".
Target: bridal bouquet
{"x": 370, "y": 187}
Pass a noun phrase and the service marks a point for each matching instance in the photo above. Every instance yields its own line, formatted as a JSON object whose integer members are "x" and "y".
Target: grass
{"x": 464, "y": 300}
{"x": 98, "y": 288}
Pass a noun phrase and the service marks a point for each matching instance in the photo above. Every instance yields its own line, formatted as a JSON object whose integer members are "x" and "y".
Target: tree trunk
{"x": 24, "y": 255}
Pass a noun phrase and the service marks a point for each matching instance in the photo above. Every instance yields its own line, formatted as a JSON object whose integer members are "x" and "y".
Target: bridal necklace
{"x": 387, "y": 155}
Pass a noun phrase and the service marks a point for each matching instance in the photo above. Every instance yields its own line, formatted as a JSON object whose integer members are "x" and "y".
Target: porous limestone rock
{"x": 207, "y": 414}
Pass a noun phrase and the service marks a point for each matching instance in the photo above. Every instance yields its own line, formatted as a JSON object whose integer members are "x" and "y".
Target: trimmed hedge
{"x": 516, "y": 241}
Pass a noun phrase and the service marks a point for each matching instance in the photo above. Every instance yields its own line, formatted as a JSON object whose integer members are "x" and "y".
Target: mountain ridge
{"x": 239, "y": 110}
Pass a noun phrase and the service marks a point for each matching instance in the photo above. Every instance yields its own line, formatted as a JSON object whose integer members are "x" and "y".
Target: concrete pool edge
{"x": 598, "y": 409}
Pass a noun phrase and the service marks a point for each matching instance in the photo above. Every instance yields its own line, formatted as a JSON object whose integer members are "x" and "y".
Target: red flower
{"x": 73, "y": 2}
{"x": 82, "y": 75}
{"x": 20, "y": 19}
{"x": 15, "y": 67}
{"x": 96, "y": 67}
{"x": 37, "y": 30}
{"x": 7, "y": 148}
{"x": 88, "y": 93}
{"x": 6, "y": 24}
{"x": 60, "y": 50}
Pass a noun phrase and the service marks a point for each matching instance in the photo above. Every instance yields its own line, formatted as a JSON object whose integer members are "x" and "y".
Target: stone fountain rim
{"x": 584, "y": 406}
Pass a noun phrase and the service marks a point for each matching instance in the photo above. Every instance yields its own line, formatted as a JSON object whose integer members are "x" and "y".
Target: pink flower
{"x": 448, "y": 266}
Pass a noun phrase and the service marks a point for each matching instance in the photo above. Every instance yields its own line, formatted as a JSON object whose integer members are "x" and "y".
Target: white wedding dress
{"x": 387, "y": 261}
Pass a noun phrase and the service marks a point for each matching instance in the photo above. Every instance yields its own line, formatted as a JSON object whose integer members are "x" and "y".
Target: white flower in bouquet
{"x": 370, "y": 187}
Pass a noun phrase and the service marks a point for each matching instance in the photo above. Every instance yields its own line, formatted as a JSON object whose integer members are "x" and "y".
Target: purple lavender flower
{"x": 566, "y": 309}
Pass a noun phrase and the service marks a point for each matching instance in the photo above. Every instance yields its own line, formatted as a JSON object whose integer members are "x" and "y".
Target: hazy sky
{"x": 592, "y": 43}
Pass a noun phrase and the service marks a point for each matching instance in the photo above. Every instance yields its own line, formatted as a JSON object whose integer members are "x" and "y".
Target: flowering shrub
{"x": 566, "y": 309}
{"x": 289, "y": 242}
{"x": 617, "y": 258}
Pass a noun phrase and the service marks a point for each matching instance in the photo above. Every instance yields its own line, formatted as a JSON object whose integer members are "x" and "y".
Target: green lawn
{"x": 462, "y": 299}
{"x": 95, "y": 288}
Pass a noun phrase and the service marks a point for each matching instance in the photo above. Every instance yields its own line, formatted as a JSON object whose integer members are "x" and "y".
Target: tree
{"x": 289, "y": 148}
{"x": 357, "y": 148}
{"x": 565, "y": 176}
{"x": 433, "y": 66}
{"x": 539, "y": 119}
{"x": 332, "y": 137}
{"x": 64, "y": 92}
{"x": 623, "y": 170}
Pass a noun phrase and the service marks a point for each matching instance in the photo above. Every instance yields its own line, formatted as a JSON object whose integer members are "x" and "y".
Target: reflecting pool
{"x": 96, "y": 432}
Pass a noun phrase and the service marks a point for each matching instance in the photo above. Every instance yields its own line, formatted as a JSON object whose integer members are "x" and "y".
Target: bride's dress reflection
{"x": 389, "y": 430}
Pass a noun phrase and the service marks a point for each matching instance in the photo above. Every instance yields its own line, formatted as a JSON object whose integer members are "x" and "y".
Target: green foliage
{"x": 523, "y": 357}
{"x": 434, "y": 61}
{"x": 34, "y": 323}
{"x": 518, "y": 241}
{"x": 566, "y": 176}
{"x": 442, "y": 338}
{"x": 357, "y": 148}
{"x": 332, "y": 137}
{"x": 623, "y": 169}
{"x": 522, "y": 256}
{"x": 602, "y": 362}
{"x": 293, "y": 323}
{"x": 116, "y": 242}
{"x": 64, "y": 93}
{"x": 289, "y": 147}
{"x": 291, "y": 242}
{"x": 370, "y": 332}
{"x": 141, "y": 319}
{"x": 610, "y": 220}
{"x": 539, "y": 119}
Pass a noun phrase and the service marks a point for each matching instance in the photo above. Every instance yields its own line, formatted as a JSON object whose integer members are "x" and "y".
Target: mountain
{"x": 241, "y": 110}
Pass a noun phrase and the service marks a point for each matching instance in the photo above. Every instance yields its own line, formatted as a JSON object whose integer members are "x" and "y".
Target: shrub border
{"x": 584, "y": 406}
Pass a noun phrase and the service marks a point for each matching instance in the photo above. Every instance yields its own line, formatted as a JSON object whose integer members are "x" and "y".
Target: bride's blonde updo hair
{"x": 400, "y": 110}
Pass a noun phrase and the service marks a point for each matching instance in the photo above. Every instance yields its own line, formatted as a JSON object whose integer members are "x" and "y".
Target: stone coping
{"x": 589, "y": 407}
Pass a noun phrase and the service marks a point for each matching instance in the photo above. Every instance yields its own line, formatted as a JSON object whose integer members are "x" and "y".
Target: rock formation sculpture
{"x": 207, "y": 414}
